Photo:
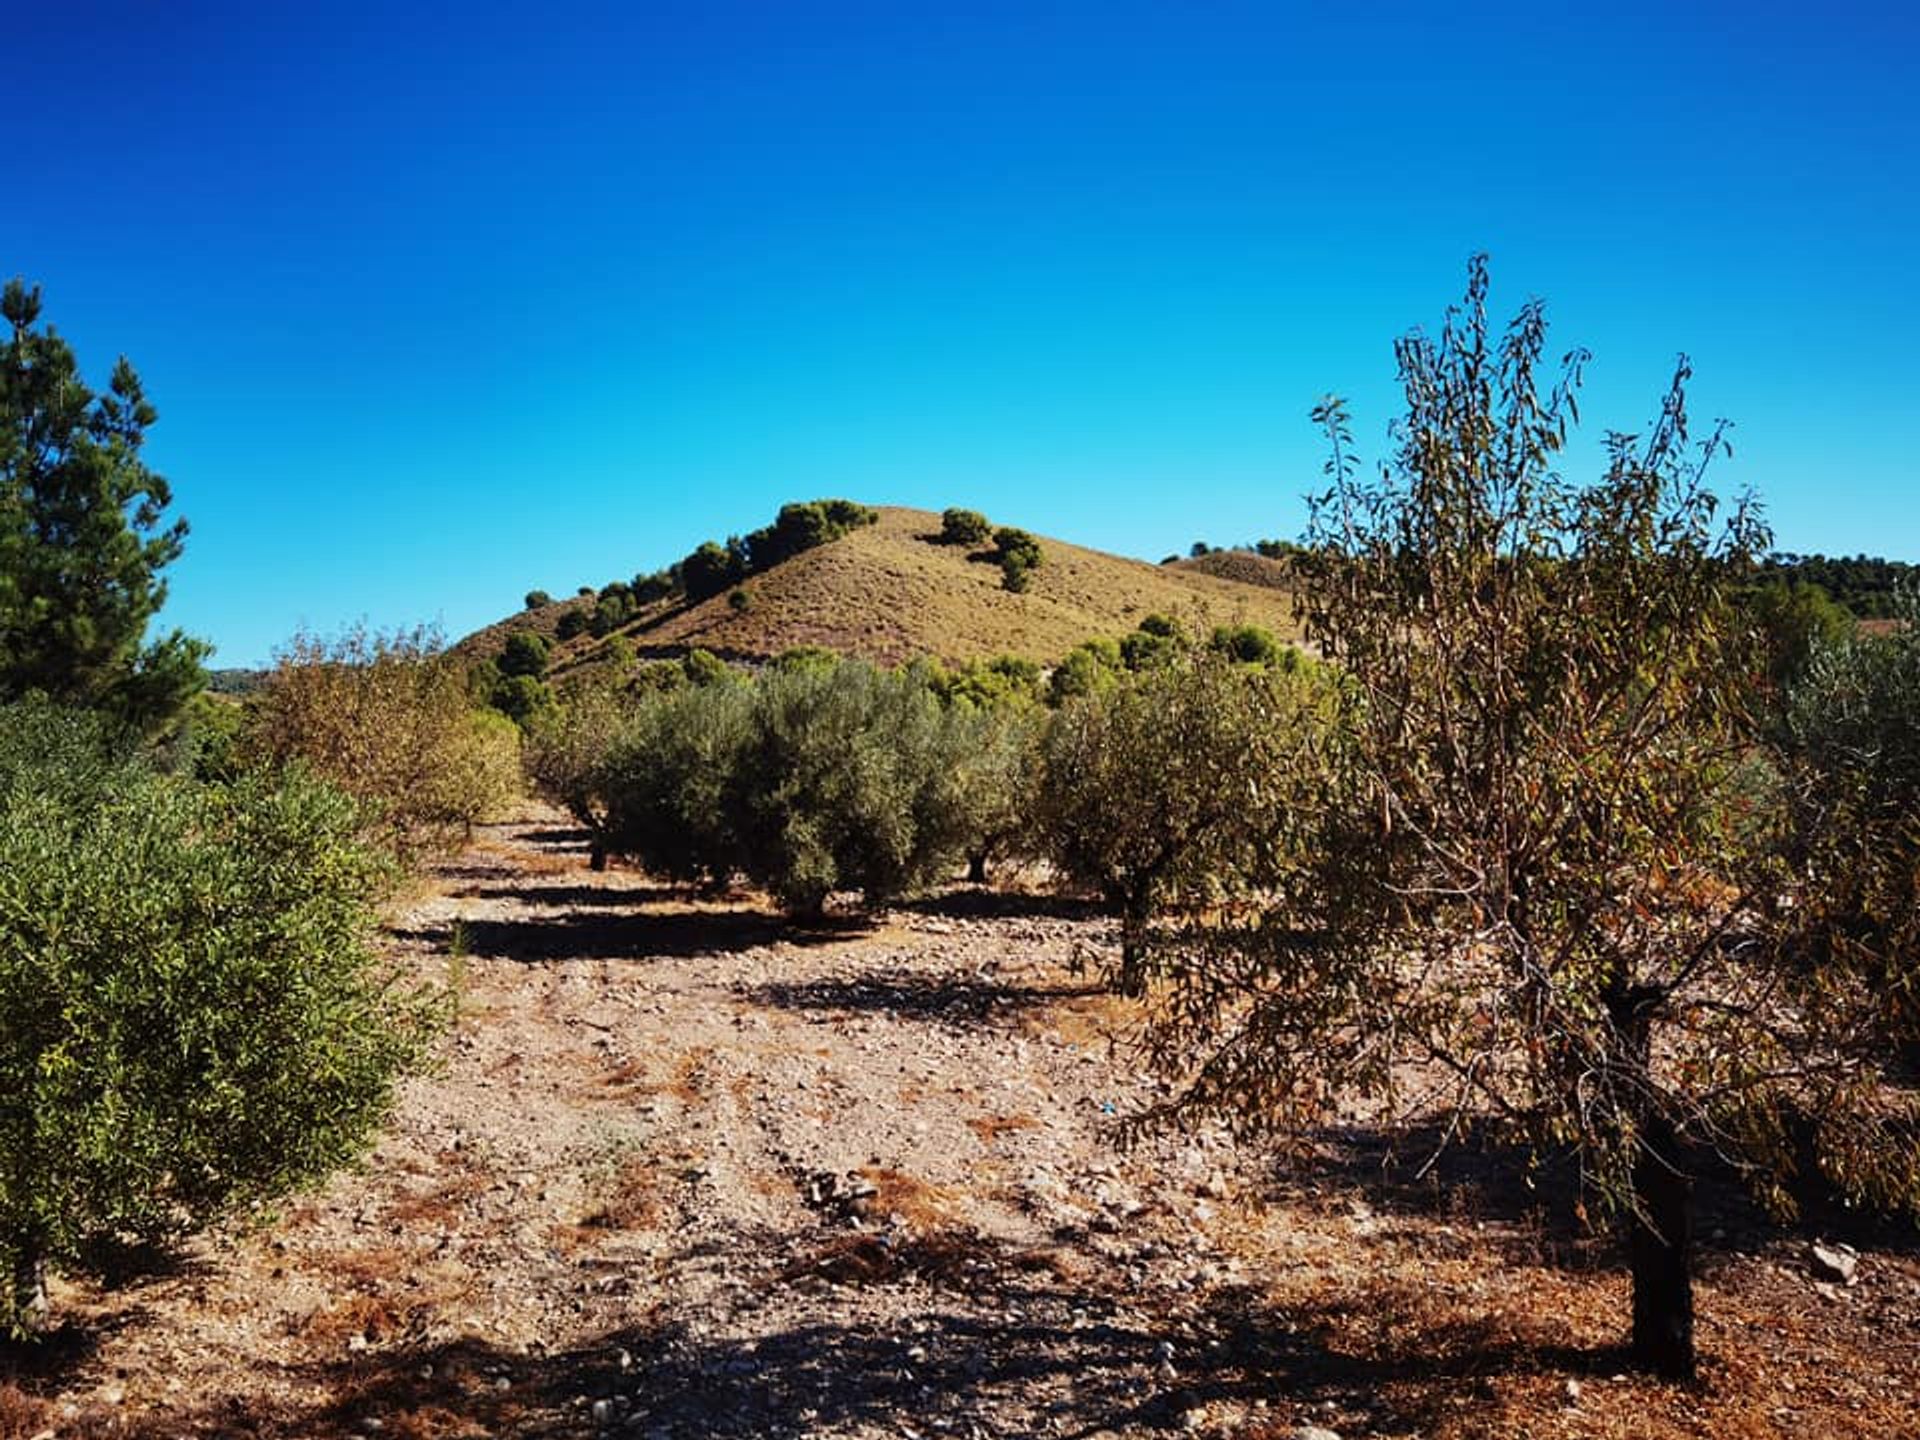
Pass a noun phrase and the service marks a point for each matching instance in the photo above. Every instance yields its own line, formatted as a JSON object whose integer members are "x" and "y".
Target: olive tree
{"x": 1181, "y": 785}
{"x": 1555, "y": 892}
{"x": 1851, "y": 750}
{"x": 196, "y": 1014}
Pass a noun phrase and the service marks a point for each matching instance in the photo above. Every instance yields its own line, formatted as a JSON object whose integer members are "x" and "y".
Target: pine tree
{"x": 83, "y": 534}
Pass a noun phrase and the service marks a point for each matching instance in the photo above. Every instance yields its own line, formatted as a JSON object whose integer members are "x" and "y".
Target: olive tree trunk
{"x": 1660, "y": 1225}
{"x": 27, "y": 1304}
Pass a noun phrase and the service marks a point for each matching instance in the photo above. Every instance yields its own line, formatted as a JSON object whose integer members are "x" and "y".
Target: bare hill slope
{"x": 888, "y": 593}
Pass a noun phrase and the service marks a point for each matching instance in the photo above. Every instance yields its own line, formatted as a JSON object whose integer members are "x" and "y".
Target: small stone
{"x": 1834, "y": 1262}
{"x": 1315, "y": 1432}
{"x": 603, "y": 1412}
{"x": 1572, "y": 1391}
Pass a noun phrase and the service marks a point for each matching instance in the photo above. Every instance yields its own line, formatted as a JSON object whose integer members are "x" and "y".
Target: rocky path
{"x": 682, "y": 1171}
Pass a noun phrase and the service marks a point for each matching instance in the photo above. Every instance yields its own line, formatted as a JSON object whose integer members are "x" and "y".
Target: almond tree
{"x": 1558, "y": 889}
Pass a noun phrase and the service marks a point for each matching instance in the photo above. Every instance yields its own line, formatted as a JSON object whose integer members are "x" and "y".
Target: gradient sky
{"x": 442, "y": 306}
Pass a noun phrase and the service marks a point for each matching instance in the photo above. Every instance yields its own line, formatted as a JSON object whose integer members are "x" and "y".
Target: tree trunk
{"x": 597, "y": 857}
{"x": 1660, "y": 1228}
{"x": 1661, "y": 1245}
{"x": 977, "y": 868}
{"x": 1132, "y": 980}
{"x": 27, "y": 1298}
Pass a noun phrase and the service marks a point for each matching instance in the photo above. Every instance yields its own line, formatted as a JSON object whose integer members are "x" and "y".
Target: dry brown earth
{"x": 683, "y": 1171}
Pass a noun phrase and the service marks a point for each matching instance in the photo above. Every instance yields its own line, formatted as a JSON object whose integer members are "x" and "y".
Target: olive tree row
{"x": 816, "y": 778}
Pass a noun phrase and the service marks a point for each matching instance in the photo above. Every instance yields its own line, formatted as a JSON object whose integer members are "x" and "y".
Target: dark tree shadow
{"x": 611, "y": 935}
{"x": 559, "y": 839}
{"x": 945, "y": 999}
{"x": 979, "y": 904}
{"x": 603, "y": 897}
{"x": 1535, "y": 1203}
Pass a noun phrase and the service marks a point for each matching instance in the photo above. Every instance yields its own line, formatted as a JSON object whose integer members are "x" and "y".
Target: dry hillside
{"x": 888, "y": 593}
{"x": 1245, "y": 566}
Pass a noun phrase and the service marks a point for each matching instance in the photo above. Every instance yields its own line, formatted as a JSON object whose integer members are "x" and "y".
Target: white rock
{"x": 1834, "y": 1262}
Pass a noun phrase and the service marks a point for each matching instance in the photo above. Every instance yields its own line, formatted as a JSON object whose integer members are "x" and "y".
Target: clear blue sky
{"x": 442, "y": 305}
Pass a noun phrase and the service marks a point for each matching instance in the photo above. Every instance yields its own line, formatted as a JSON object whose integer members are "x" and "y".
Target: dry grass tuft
{"x": 22, "y": 1416}
{"x": 991, "y": 1127}
{"x": 901, "y": 1199}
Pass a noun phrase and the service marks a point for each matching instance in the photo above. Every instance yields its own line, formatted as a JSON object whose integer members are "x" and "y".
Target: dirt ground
{"x": 683, "y": 1171}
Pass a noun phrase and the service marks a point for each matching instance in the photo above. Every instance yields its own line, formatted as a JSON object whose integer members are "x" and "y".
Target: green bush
{"x": 806, "y": 657}
{"x": 613, "y": 608}
{"x": 669, "y": 783}
{"x": 1851, "y": 745}
{"x": 964, "y": 527}
{"x": 713, "y": 568}
{"x": 522, "y": 698}
{"x": 1003, "y": 680}
{"x": 1018, "y": 554}
{"x": 195, "y": 1015}
{"x": 817, "y": 778}
{"x": 536, "y": 599}
{"x": 1090, "y": 668}
{"x": 988, "y": 773}
{"x": 802, "y": 526}
{"x": 740, "y": 600}
{"x": 574, "y": 622}
{"x": 1249, "y": 645}
{"x": 1154, "y": 641}
{"x": 842, "y": 787}
{"x": 649, "y": 588}
{"x": 703, "y": 667}
{"x": 525, "y": 653}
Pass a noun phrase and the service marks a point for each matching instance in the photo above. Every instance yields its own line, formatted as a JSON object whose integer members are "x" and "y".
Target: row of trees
{"x": 819, "y": 776}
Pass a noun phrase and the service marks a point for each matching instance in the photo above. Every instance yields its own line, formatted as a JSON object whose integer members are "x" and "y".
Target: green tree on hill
{"x": 964, "y": 527}
{"x": 83, "y": 534}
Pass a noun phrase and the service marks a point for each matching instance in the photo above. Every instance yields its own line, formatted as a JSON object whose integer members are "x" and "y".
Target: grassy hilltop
{"x": 888, "y": 592}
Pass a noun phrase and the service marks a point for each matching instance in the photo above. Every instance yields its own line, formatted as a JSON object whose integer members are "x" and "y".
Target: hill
{"x": 888, "y": 593}
{"x": 1245, "y": 566}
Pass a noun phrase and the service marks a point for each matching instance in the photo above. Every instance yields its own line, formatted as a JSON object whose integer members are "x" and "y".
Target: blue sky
{"x": 442, "y": 306}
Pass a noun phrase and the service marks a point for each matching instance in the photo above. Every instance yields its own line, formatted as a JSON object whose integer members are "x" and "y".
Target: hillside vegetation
{"x": 889, "y": 593}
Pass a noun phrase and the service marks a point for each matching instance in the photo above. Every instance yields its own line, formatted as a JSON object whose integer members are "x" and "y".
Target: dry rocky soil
{"x": 683, "y": 1170}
